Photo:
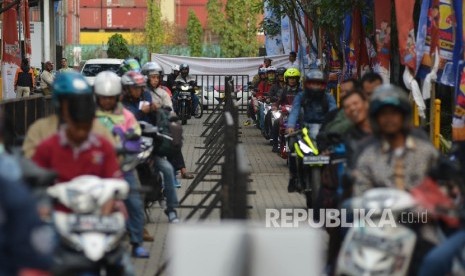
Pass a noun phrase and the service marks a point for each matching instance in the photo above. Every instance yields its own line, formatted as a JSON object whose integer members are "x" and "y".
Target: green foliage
{"x": 236, "y": 26}
{"x": 117, "y": 47}
{"x": 194, "y": 34}
{"x": 215, "y": 16}
{"x": 153, "y": 26}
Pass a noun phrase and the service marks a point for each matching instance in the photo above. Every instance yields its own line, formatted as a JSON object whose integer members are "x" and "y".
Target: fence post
{"x": 415, "y": 116}
{"x": 437, "y": 123}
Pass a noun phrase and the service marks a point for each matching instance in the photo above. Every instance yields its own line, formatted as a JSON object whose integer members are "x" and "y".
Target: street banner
{"x": 349, "y": 57}
{"x": 437, "y": 30}
{"x": 458, "y": 121}
{"x": 383, "y": 37}
{"x": 287, "y": 35}
{"x": 218, "y": 66}
{"x": 406, "y": 33}
{"x": 11, "y": 55}
{"x": 27, "y": 29}
{"x": 273, "y": 44}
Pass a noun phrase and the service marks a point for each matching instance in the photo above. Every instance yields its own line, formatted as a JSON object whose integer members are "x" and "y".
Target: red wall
{"x": 121, "y": 18}
{"x": 113, "y": 3}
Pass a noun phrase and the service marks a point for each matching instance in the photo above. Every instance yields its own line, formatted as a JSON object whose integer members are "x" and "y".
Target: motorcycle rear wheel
{"x": 198, "y": 111}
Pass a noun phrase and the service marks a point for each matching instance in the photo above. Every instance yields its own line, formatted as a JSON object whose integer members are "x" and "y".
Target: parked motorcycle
{"x": 184, "y": 106}
{"x": 308, "y": 162}
{"x": 90, "y": 242}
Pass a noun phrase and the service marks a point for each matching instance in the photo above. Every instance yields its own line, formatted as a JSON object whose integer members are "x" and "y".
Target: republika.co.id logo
{"x": 291, "y": 218}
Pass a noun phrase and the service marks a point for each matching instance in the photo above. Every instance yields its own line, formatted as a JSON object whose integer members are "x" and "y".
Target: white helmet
{"x": 271, "y": 69}
{"x": 152, "y": 68}
{"x": 175, "y": 68}
{"x": 107, "y": 84}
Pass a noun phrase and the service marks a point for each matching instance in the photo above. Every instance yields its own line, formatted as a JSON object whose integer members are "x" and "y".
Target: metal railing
{"x": 222, "y": 149}
{"x": 21, "y": 113}
{"x": 213, "y": 88}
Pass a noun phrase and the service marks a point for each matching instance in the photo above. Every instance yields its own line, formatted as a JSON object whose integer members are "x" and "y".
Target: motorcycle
{"x": 381, "y": 248}
{"x": 89, "y": 241}
{"x": 308, "y": 161}
{"x": 184, "y": 102}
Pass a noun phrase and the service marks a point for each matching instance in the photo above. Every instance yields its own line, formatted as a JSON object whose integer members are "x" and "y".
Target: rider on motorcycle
{"x": 139, "y": 102}
{"x": 91, "y": 154}
{"x": 316, "y": 103}
{"x": 263, "y": 91}
{"x": 112, "y": 114}
{"x": 160, "y": 95}
{"x": 184, "y": 77}
{"x": 275, "y": 94}
{"x": 395, "y": 156}
{"x": 171, "y": 80}
{"x": 291, "y": 88}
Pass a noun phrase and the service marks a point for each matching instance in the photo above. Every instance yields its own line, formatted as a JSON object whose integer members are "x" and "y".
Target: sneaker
{"x": 247, "y": 123}
{"x": 172, "y": 216}
{"x": 140, "y": 252}
{"x": 177, "y": 185}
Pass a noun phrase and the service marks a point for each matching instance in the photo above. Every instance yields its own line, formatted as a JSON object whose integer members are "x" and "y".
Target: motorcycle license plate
{"x": 95, "y": 224}
{"x": 316, "y": 160}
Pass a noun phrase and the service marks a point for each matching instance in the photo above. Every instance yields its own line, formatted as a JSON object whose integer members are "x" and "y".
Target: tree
{"x": 117, "y": 47}
{"x": 236, "y": 26}
{"x": 194, "y": 34}
{"x": 153, "y": 26}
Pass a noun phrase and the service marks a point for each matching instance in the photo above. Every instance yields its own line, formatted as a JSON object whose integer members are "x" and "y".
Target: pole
{"x": 432, "y": 112}
{"x": 437, "y": 123}
{"x": 20, "y": 26}
{"x": 416, "y": 118}
{"x": 46, "y": 31}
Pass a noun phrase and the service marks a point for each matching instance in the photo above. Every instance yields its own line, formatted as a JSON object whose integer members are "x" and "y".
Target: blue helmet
{"x": 74, "y": 87}
{"x": 128, "y": 65}
{"x": 68, "y": 84}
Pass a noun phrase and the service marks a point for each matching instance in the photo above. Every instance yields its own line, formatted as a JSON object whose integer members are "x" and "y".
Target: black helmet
{"x": 315, "y": 75}
{"x": 183, "y": 66}
{"x": 389, "y": 95}
{"x": 281, "y": 70}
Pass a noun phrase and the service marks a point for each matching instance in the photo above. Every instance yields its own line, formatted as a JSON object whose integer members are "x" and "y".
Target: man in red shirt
{"x": 74, "y": 151}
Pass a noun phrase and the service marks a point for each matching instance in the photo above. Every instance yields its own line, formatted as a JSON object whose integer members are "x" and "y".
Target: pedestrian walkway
{"x": 268, "y": 172}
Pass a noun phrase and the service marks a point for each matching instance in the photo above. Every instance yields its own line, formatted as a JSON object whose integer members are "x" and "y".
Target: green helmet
{"x": 389, "y": 95}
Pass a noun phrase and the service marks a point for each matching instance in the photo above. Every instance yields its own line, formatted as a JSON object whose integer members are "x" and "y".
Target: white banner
{"x": 219, "y": 66}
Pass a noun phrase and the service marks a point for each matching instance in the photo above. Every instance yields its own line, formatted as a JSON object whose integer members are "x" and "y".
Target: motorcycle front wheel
{"x": 183, "y": 114}
{"x": 198, "y": 111}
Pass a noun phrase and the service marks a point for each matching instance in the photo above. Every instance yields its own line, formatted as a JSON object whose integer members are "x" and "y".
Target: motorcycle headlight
{"x": 304, "y": 147}
{"x": 184, "y": 88}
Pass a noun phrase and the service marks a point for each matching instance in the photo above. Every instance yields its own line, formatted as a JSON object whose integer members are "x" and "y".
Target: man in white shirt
{"x": 293, "y": 60}
{"x": 46, "y": 79}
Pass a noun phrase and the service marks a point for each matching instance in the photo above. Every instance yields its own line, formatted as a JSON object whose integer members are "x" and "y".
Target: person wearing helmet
{"x": 161, "y": 95}
{"x": 139, "y": 101}
{"x": 275, "y": 94}
{"x": 395, "y": 157}
{"x": 162, "y": 99}
{"x": 74, "y": 139}
{"x": 316, "y": 103}
{"x": 65, "y": 89}
{"x": 184, "y": 77}
{"x": 117, "y": 119}
{"x": 171, "y": 80}
{"x": 292, "y": 88}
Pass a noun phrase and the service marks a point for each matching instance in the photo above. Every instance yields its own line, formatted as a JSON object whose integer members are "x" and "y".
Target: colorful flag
{"x": 437, "y": 30}
{"x": 11, "y": 57}
{"x": 458, "y": 121}
{"x": 406, "y": 33}
{"x": 383, "y": 37}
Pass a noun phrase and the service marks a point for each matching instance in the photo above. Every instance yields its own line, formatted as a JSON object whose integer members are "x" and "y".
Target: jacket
{"x": 24, "y": 77}
{"x": 120, "y": 117}
{"x": 133, "y": 106}
{"x": 378, "y": 165}
{"x": 314, "y": 112}
{"x": 46, "y": 79}
{"x": 48, "y": 126}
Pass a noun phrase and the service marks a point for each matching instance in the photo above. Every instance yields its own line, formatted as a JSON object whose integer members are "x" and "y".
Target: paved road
{"x": 269, "y": 175}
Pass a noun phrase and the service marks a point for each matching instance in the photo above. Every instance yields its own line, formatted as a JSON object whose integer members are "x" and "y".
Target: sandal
{"x": 187, "y": 176}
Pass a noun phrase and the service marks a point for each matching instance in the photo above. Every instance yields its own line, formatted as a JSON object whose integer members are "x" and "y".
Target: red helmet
{"x": 133, "y": 78}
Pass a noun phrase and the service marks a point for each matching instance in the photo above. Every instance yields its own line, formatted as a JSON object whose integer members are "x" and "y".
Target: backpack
{"x": 171, "y": 139}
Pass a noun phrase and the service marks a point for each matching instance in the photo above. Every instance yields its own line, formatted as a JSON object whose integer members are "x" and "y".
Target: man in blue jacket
{"x": 315, "y": 103}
